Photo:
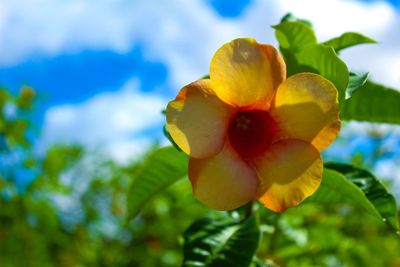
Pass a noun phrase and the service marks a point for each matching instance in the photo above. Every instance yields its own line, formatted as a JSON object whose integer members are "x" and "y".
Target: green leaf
{"x": 356, "y": 80}
{"x": 290, "y": 17}
{"x": 373, "y": 103}
{"x": 159, "y": 170}
{"x": 323, "y": 60}
{"x": 373, "y": 189}
{"x": 210, "y": 242}
{"x": 348, "y": 39}
{"x": 294, "y": 35}
{"x": 302, "y": 53}
{"x": 336, "y": 188}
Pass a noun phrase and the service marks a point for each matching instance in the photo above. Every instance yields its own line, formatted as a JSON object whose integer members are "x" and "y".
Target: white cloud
{"x": 333, "y": 17}
{"x": 183, "y": 35}
{"x": 118, "y": 122}
{"x": 52, "y": 27}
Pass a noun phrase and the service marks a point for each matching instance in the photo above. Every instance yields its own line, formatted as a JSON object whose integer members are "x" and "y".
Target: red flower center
{"x": 251, "y": 132}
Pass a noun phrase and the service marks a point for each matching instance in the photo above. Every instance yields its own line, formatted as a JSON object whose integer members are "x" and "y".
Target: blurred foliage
{"x": 64, "y": 207}
{"x": 73, "y": 212}
{"x": 328, "y": 235}
{"x": 162, "y": 168}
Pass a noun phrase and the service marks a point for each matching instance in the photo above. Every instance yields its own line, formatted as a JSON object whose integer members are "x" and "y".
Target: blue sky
{"x": 70, "y": 78}
{"x": 105, "y": 70}
{"x": 77, "y": 73}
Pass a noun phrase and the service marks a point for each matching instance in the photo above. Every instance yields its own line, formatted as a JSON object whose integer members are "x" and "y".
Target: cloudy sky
{"x": 104, "y": 69}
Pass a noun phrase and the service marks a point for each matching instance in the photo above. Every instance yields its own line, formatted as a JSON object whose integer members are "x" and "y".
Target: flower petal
{"x": 197, "y": 120}
{"x": 246, "y": 73}
{"x": 290, "y": 171}
{"x": 223, "y": 182}
{"x": 306, "y": 107}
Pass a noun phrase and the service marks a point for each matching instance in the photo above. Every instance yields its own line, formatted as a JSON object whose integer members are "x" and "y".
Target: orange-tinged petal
{"x": 197, "y": 120}
{"x": 223, "y": 182}
{"x": 306, "y": 107}
{"x": 290, "y": 171}
{"x": 246, "y": 73}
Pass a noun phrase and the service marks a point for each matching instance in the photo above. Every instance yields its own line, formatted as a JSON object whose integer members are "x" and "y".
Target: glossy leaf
{"x": 226, "y": 242}
{"x": 299, "y": 47}
{"x": 373, "y": 103}
{"x": 373, "y": 189}
{"x": 323, "y": 60}
{"x": 159, "y": 170}
{"x": 348, "y": 39}
{"x": 336, "y": 188}
{"x": 290, "y": 17}
{"x": 356, "y": 190}
{"x": 294, "y": 35}
{"x": 356, "y": 81}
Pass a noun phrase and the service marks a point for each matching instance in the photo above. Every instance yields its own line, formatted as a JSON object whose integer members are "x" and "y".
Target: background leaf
{"x": 160, "y": 169}
{"x": 336, "y": 188}
{"x": 226, "y": 242}
{"x": 323, "y": 60}
{"x": 294, "y": 35}
{"x": 290, "y": 17}
{"x": 359, "y": 189}
{"x": 302, "y": 53}
{"x": 373, "y": 189}
{"x": 348, "y": 39}
{"x": 356, "y": 81}
{"x": 373, "y": 103}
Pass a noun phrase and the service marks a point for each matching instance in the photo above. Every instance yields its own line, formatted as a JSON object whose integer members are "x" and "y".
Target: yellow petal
{"x": 306, "y": 107}
{"x": 290, "y": 171}
{"x": 223, "y": 182}
{"x": 246, "y": 73}
{"x": 197, "y": 120}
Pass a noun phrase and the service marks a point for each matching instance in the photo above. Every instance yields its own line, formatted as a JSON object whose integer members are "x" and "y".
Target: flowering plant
{"x": 254, "y": 129}
{"x": 252, "y": 134}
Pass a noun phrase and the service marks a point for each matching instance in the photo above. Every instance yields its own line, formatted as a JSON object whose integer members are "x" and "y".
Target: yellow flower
{"x": 250, "y": 132}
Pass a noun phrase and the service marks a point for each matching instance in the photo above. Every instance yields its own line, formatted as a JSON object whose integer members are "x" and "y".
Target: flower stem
{"x": 248, "y": 210}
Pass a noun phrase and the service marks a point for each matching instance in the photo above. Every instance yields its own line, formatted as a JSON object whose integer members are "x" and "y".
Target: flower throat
{"x": 251, "y": 132}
